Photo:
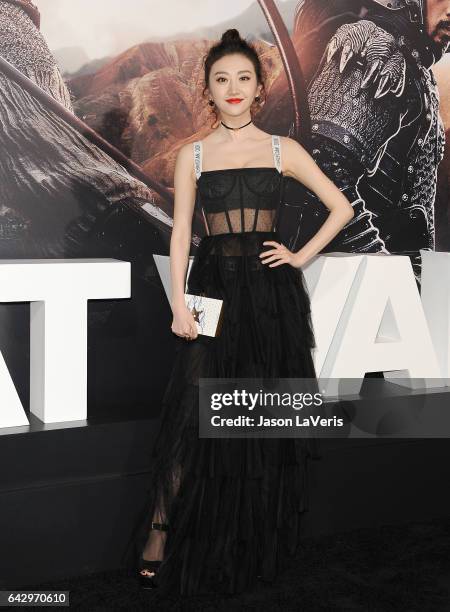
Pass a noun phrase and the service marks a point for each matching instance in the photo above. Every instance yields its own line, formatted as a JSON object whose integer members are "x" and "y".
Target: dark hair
{"x": 231, "y": 42}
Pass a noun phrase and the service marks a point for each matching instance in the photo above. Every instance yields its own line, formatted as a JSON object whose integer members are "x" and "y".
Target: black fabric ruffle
{"x": 238, "y": 510}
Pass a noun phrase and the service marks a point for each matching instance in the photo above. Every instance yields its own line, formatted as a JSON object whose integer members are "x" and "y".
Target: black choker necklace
{"x": 233, "y": 128}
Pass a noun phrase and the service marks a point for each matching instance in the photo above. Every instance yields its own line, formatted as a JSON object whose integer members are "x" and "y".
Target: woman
{"x": 222, "y": 512}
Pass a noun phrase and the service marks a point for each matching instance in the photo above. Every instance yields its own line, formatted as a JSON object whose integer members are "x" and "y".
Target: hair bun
{"x": 231, "y": 35}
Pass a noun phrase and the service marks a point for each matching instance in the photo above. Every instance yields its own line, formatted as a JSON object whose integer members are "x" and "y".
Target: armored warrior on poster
{"x": 376, "y": 130}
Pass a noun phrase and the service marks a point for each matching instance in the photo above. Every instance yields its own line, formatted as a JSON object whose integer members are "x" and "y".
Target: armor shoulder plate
{"x": 357, "y": 95}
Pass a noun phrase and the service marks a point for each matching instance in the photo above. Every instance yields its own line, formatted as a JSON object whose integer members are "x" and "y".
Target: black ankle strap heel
{"x": 146, "y": 581}
{"x": 161, "y": 526}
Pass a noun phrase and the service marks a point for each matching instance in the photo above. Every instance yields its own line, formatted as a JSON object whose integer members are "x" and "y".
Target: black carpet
{"x": 388, "y": 569}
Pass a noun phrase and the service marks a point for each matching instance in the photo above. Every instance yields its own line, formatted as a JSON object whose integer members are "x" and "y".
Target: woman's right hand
{"x": 183, "y": 323}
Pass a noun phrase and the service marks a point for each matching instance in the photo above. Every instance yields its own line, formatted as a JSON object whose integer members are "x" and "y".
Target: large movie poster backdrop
{"x": 86, "y": 168}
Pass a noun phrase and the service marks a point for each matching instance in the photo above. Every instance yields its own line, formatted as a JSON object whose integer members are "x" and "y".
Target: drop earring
{"x": 216, "y": 122}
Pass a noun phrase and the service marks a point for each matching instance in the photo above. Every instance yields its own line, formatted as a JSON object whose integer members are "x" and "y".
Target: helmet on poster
{"x": 415, "y": 8}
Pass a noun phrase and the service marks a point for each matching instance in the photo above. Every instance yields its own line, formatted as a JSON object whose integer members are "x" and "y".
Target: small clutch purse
{"x": 207, "y": 312}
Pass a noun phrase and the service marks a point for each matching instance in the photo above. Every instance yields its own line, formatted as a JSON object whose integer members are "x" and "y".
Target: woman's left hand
{"x": 280, "y": 255}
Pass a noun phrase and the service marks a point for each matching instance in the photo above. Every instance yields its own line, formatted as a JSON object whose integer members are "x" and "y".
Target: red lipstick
{"x": 234, "y": 100}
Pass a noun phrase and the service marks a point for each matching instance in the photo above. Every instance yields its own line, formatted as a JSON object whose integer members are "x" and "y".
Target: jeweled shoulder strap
{"x": 198, "y": 158}
{"x": 276, "y": 148}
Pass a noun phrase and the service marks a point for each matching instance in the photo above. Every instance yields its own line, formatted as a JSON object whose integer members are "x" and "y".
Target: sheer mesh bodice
{"x": 237, "y": 200}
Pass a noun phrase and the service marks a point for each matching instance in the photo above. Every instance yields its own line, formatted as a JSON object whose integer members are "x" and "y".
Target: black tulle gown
{"x": 234, "y": 506}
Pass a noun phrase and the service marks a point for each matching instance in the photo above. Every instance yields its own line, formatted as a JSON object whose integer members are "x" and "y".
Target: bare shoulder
{"x": 185, "y": 156}
{"x": 295, "y": 159}
{"x": 184, "y": 165}
{"x": 288, "y": 142}
{"x": 289, "y": 146}
{"x": 185, "y": 153}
